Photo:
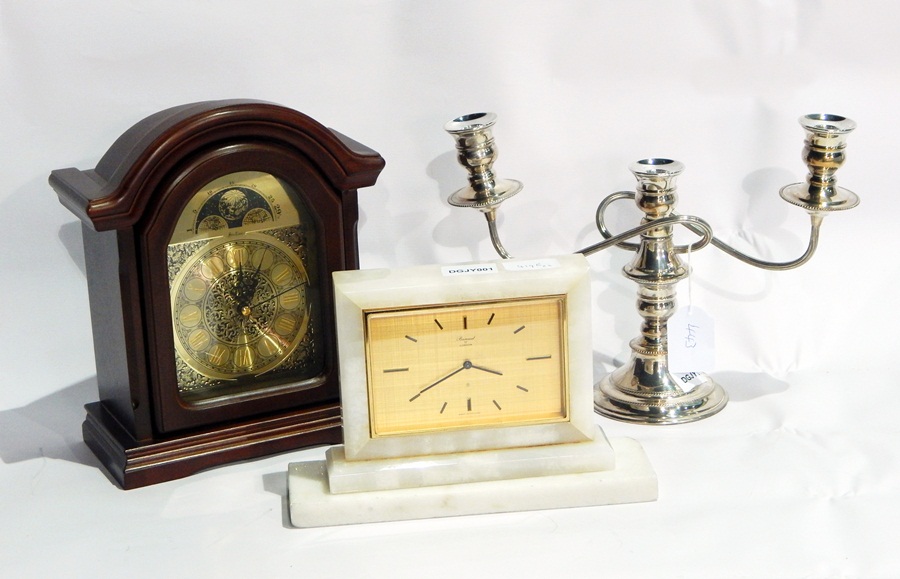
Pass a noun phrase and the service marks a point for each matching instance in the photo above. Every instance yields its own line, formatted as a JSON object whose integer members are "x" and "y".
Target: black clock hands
{"x": 241, "y": 290}
{"x": 467, "y": 365}
{"x": 279, "y": 294}
{"x": 242, "y": 293}
{"x": 255, "y": 280}
{"x": 246, "y": 285}
{"x": 450, "y": 375}
{"x": 483, "y": 369}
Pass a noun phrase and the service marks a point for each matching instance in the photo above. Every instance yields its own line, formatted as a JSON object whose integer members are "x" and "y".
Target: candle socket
{"x": 644, "y": 390}
{"x": 476, "y": 151}
{"x": 823, "y": 153}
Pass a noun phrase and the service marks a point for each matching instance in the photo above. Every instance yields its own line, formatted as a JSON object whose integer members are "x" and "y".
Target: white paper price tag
{"x": 691, "y": 380}
{"x": 471, "y": 269}
{"x": 530, "y": 264}
{"x": 691, "y": 341}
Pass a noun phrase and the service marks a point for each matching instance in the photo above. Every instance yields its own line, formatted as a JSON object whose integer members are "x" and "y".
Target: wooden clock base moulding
{"x": 134, "y": 464}
{"x": 312, "y": 504}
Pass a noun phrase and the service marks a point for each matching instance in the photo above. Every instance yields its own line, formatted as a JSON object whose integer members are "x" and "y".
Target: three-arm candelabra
{"x": 644, "y": 390}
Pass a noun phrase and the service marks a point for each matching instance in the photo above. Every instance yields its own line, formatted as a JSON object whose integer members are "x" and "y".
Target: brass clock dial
{"x": 465, "y": 366}
{"x": 243, "y": 310}
{"x": 239, "y": 307}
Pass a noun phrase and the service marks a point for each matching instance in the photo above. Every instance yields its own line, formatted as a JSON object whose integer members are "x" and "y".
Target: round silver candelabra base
{"x": 614, "y": 397}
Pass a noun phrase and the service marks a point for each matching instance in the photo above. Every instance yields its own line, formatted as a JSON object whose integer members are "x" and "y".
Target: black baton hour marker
{"x": 519, "y": 330}
{"x": 438, "y": 324}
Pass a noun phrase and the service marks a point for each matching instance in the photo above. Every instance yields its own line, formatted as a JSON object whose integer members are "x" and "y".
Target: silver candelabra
{"x": 644, "y": 390}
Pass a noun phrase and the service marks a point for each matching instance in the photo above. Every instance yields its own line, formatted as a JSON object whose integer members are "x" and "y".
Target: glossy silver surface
{"x": 477, "y": 152}
{"x": 823, "y": 152}
{"x": 644, "y": 390}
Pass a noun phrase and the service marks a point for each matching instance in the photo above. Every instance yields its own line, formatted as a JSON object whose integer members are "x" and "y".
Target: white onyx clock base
{"x": 472, "y": 381}
{"x": 312, "y": 504}
{"x": 349, "y": 476}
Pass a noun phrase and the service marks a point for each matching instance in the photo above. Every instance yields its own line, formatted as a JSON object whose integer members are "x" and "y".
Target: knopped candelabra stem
{"x": 644, "y": 390}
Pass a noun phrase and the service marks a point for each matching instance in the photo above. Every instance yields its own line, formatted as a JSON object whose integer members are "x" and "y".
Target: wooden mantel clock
{"x": 211, "y": 231}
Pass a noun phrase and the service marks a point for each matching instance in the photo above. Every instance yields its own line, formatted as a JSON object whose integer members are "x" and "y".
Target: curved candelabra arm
{"x": 644, "y": 390}
{"x": 695, "y": 224}
{"x": 823, "y": 151}
{"x": 601, "y": 210}
{"x": 815, "y": 224}
{"x": 491, "y": 216}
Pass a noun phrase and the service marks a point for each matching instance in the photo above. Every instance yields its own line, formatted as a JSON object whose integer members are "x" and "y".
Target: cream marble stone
{"x": 313, "y": 505}
{"x": 479, "y": 469}
{"x": 361, "y": 290}
{"x": 346, "y": 476}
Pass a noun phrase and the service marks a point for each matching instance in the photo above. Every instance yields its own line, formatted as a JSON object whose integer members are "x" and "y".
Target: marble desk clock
{"x": 466, "y": 389}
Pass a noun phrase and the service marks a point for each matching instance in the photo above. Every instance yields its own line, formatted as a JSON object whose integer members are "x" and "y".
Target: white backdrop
{"x": 797, "y": 477}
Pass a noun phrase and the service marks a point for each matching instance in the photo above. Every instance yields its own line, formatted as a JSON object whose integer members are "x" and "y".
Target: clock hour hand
{"x": 483, "y": 369}
{"x": 254, "y": 281}
{"x": 279, "y": 294}
{"x": 241, "y": 292}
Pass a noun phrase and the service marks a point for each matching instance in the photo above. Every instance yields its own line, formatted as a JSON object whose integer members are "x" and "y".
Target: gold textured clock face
{"x": 245, "y": 314}
{"x": 439, "y": 368}
{"x": 240, "y": 307}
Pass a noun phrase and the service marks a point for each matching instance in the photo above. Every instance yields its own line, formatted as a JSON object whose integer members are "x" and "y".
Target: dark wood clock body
{"x": 140, "y": 429}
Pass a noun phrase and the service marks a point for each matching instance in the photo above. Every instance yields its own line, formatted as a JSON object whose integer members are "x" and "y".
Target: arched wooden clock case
{"x": 230, "y": 170}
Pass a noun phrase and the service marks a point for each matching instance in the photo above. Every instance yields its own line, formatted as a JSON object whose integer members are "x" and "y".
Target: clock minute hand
{"x": 279, "y": 294}
{"x": 466, "y": 365}
{"x": 256, "y": 279}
